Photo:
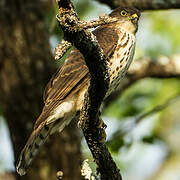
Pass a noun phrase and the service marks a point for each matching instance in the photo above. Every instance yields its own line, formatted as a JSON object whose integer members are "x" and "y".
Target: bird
{"x": 64, "y": 94}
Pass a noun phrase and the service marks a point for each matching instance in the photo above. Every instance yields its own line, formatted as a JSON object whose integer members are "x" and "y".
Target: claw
{"x": 102, "y": 134}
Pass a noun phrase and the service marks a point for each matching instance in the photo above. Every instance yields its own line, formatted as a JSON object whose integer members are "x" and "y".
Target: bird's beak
{"x": 134, "y": 18}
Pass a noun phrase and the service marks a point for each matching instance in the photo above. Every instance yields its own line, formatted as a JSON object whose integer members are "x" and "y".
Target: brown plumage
{"x": 64, "y": 94}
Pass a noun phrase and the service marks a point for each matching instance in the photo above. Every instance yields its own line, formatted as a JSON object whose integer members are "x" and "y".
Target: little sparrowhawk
{"x": 64, "y": 94}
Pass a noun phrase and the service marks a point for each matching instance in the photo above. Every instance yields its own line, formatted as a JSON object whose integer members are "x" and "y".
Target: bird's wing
{"x": 66, "y": 78}
{"x": 73, "y": 71}
{"x": 108, "y": 39}
{"x": 74, "y": 68}
{"x": 63, "y": 83}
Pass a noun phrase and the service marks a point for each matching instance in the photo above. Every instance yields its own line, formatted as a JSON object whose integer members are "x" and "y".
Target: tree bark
{"x": 144, "y": 4}
{"x": 25, "y": 67}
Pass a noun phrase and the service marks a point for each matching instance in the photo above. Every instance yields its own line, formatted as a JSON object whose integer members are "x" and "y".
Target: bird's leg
{"x": 102, "y": 133}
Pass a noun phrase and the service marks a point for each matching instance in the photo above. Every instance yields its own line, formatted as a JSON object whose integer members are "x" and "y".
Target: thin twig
{"x": 103, "y": 19}
{"x": 157, "y": 109}
{"x": 61, "y": 49}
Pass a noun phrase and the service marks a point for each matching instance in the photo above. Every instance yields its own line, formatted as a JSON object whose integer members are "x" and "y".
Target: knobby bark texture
{"x": 144, "y": 4}
{"x": 96, "y": 62}
{"x": 26, "y": 65}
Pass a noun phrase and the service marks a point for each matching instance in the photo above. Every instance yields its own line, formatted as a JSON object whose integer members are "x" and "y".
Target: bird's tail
{"x": 37, "y": 138}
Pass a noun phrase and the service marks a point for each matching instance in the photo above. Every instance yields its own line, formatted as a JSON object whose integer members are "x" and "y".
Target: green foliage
{"x": 149, "y": 139}
{"x": 143, "y": 96}
{"x": 164, "y": 33}
{"x": 82, "y": 7}
{"x": 51, "y": 22}
{"x": 167, "y": 25}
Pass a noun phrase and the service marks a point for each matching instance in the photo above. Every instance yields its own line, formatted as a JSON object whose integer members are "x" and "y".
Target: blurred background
{"x": 143, "y": 121}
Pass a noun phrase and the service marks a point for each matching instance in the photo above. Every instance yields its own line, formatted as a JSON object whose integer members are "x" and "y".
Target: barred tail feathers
{"x": 37, "y": 138}
{"x": 45, "y": 125}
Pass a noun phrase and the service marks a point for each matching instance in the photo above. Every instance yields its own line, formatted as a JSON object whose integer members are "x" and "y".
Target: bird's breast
{"x": 121, "y": 59}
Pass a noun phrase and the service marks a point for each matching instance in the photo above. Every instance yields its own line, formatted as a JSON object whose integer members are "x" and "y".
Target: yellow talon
{"x": 102, "y": 134}
{"x": 102, "y": 137}
{"x": 100, "y": 123}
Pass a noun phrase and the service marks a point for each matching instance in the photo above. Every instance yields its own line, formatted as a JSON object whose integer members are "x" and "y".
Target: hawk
{"x": 64, "y": 94}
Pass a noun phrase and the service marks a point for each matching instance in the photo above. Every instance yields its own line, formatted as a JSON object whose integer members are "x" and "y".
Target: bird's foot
{"x": 102, "y": 133}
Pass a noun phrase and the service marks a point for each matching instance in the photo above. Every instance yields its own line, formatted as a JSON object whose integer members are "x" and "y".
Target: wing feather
{"x": 61, "y": 84}
{"x": 69, "y": 77}
{"x": 74, "y": 68}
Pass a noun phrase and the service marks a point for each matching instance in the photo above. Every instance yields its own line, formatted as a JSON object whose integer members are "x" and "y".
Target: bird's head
{"x": 127, "y": 18}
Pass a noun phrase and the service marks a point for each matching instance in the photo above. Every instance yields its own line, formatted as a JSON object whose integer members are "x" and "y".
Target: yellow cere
{"x": 134, "y": 16}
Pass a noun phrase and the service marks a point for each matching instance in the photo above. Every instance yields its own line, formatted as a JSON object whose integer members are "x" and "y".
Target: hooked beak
{"x": 134, "y": 18}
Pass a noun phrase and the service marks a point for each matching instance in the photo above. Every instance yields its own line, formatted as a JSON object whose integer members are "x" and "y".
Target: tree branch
{"x": 161, "y": 67}
{"x": 144, "y": 4}
{"x": 80, "y": 25}
{"x": 61, "y": 49}
{"x": 156, "y": 109}
{"x": 86, "y": 42}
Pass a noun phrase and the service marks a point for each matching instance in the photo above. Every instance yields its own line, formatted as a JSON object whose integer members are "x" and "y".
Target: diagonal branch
{"x": 86, "y": 42}
{"x": 156, "y": 109}
{"x": 161, "y": 67}
{"x": 80, "y": 25}
{"x": 61, "y": 49}
{"x": 144, "y": 4}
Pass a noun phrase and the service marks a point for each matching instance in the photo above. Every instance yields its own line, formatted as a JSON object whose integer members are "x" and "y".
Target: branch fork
{"x": 79, "y": 25}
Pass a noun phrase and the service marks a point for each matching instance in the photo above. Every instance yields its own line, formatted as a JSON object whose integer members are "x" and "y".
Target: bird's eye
{"x": 123, "y": 13}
